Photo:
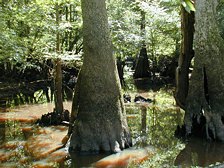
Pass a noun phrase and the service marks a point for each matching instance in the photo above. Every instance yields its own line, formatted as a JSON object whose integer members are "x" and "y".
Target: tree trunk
{"x": 58, "y": 88}
{"x": 97, "y": 104}
{"x": 187, "y": 53}
{"x": 58, "y": 72}
{"x": 142, "y": 64}
{"x": 205, "y": 98}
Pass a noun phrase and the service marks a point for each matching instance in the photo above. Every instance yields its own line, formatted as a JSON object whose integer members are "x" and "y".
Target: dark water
{"x": 23, "y": 144}
{"x": 201, "y": 153}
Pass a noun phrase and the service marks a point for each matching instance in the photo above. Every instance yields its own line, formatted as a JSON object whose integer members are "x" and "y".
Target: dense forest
{"x": 111, "y": 83}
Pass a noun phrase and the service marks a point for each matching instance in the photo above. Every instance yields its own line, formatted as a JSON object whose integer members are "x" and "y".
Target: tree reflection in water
{"x": 152, "y": 124}
{"x": 200, "y": 153}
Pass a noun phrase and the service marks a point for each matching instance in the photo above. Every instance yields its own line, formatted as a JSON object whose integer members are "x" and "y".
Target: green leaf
{"x": 188, "y": 5}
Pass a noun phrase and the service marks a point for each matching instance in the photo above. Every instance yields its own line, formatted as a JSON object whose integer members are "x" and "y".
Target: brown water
{"x": 23, "y": 144}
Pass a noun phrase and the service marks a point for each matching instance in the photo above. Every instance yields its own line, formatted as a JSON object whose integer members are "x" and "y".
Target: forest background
{"x": 37, "y": 36}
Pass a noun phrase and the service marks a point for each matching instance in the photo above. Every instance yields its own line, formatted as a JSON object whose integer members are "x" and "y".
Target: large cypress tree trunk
{"x": 205, "y": 99}
{"x": 186, "y": 55}
{"x": 97, "y": 104}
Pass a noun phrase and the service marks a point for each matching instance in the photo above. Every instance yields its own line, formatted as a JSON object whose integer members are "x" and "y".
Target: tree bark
{"x": 206, "y": 89}
{"x": 97, "y": 104}
{"x": 58, "y": 72}
{"x": 58, "y": 88}
{"x": 184, "y": 62}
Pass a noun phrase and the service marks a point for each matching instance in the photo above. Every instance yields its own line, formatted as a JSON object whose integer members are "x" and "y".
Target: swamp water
{"x": 25, "y": 145}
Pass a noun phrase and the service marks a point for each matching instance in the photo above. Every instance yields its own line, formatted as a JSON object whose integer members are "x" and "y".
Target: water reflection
{"x": 200, "y": 153}
{"x": 29, "y": 113}
{"x": 118, "y": 160}
{"x": 24, "y": 144}
{"x": 78, "y": 161}
{"x": 152, "y": 125}
{"x": 2, "y": 131}
{"x": 144, "y": 114}
{"x": 2, "y": 121}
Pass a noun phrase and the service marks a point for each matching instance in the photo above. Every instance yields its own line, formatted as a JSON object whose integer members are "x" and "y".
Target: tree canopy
{"x": 28, "y": 28}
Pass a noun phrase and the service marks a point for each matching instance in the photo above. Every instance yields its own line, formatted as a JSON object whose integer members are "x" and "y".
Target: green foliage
{"x": 163, "y": 30}
{"x": 125, "y": 34}
{"x": 28, "y": 30}
{"x": 188, "y": 5}
{"x": 162, "y": 27}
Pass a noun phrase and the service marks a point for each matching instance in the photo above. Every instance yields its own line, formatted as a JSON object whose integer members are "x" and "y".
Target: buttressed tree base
{"x": 206, "y": 91}
{"x": 100, "y": 118}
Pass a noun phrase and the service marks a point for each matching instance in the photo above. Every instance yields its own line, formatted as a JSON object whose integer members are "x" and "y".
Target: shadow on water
{"x": 121, "y": 159}
{"x": 78, "y": 161}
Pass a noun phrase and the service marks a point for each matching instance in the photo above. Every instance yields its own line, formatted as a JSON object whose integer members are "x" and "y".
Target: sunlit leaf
{"x": 188, "y": 5}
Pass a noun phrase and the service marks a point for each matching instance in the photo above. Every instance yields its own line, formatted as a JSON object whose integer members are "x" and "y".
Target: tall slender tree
{"x": 98, "y": 110}
{"x": 58, "y": 72}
